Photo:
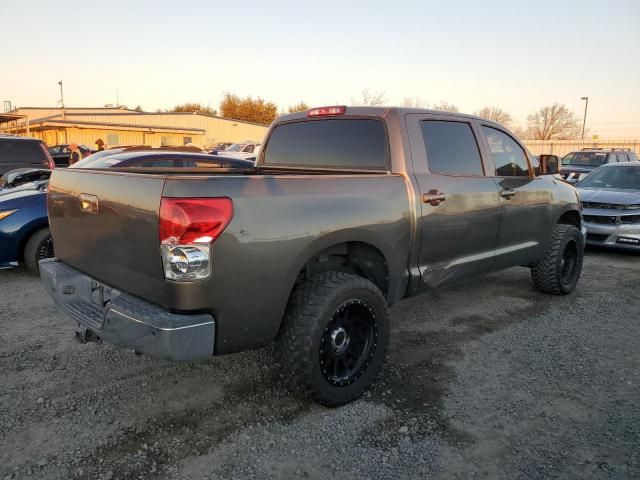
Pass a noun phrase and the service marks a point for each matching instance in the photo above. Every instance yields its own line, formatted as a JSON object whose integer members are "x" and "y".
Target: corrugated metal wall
{"x": 113, "y": 138}
{"x": 562, "y": 147}
{"x": 216, "y": 129}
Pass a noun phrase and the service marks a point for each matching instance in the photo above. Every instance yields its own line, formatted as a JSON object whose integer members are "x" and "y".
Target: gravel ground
{"x": 486, "y": 380}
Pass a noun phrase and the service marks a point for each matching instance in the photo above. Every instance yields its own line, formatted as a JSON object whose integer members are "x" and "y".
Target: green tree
{"x": 248, "y": 109}
{"x": 298, "y": 107}
{"x": 194, "y": 107}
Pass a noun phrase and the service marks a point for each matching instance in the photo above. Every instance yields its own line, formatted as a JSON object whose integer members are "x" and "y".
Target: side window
{"x": 508, "y": 156}
{"x": 622, "y": 157}
{"x": 613, "y": 158}
{"x": 451, "y": 148}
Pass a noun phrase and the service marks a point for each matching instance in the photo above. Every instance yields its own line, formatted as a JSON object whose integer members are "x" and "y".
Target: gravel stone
{"x": 489, "y": 379}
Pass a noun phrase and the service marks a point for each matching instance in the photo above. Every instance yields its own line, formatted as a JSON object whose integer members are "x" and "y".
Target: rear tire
{"x": 559, "y": 271}
{"x": 334, "y": 337}
{"x": 39, "y": 247}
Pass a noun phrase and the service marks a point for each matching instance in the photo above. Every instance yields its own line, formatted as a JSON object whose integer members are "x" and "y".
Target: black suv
{"x": 23, "y": 152}
{"x": 576, "y": 165}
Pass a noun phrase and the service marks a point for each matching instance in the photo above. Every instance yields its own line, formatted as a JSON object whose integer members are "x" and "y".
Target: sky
{"x": 518, "y": 56}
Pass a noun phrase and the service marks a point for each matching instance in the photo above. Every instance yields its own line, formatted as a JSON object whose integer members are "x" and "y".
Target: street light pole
{"x": 61, "y": 95}
{"x": 584, "y": 120}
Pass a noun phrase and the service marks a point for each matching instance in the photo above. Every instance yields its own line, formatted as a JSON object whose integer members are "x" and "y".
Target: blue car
{"x": 24, "y": 227}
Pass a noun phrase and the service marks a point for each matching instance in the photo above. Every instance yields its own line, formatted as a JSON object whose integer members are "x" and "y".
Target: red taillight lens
{"x": 327, "y": 111}
{"x": 50, "y": 164}
{"x": 193, "y": 220}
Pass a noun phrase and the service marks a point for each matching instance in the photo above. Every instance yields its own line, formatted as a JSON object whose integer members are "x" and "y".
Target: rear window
{"x": 335, "y": 143}
{"x": 21, "y": 151}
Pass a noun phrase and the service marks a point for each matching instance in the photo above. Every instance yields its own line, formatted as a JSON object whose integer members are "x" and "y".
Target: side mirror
{"x": 549, "y": 164}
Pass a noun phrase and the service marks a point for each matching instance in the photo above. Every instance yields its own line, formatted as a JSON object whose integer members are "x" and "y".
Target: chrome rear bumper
{"x": 125, "y": 320}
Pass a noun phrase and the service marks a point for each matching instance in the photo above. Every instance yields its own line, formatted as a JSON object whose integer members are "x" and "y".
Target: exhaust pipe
{"x": 83, "y": 335}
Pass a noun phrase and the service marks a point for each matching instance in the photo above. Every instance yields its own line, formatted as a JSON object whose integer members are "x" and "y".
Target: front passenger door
{"x": 526, "y": 202}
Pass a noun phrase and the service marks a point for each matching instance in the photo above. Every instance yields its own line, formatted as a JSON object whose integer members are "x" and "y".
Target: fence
{"x": 562, "y": 147}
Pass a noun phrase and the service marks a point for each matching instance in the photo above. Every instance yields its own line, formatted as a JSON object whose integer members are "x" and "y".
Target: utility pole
{"x": 61, "y": 101}
{"x": 584, "y": 120}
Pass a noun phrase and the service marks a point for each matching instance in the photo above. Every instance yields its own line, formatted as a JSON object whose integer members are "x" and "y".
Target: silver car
{"x": 610, "y": 197}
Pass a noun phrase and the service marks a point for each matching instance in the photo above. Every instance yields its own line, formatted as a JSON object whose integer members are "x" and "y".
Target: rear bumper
{"x": 125, "y": 320}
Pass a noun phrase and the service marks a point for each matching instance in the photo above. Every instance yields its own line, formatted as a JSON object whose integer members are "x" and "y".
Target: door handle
{"x": 433, "y": 197}
{"x": 507, "y": 193}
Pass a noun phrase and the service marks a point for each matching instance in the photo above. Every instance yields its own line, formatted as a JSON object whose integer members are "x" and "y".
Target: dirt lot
{"x": 486, "y": 380}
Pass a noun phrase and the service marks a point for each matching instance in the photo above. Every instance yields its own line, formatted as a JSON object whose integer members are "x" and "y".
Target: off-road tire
{"x": 312, "y": 307}
{"x": 38, "y": 247}
{"x": 549, "y": 275}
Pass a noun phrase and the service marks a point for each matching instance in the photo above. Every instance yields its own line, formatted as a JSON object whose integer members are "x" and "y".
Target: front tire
{"x": 559, "y": 271}
{"x": 38, "y": 247}
{"x": 334, "y": 337}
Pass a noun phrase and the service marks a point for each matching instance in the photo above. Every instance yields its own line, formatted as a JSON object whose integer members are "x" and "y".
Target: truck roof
{"x": 380, "y": 112}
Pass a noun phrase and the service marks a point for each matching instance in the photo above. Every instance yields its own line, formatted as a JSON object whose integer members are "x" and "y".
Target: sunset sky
{"x": 516, "y": 56}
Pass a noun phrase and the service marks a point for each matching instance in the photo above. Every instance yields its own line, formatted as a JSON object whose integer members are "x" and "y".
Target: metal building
{"x": 121, "y": 126}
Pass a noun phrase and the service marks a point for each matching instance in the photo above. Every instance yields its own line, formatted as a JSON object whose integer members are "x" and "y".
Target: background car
{"x": 610, "y": 197}
{"x": 23, "y": 152}
{"x": 160, "y": 158}
{"x": 576, "y": 165}
{"x": 219, "y": 147}
{"x": 61, "y": 154}
{"x": 24, "y": 226}
{"x": 242, "y": 150}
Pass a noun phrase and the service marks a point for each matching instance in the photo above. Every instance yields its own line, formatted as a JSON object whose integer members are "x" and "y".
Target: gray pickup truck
{"x": 346, "y": 211}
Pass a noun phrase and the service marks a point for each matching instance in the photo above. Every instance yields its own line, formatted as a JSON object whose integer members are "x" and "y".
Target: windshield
{"x": 97, "y": 160}
{"x": 617, "y": 178}
{"x": 236, "y": 147}
{"x": 585, "y": 159}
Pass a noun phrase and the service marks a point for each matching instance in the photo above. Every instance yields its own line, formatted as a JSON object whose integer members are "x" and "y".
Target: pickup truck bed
{"x": 346, "y": 211}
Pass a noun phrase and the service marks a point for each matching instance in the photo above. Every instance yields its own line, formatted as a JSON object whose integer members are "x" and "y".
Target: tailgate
{"x": 105, "y": 224}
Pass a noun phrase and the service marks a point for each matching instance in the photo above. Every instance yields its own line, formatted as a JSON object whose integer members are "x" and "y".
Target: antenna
{"x": 61, "y": 100}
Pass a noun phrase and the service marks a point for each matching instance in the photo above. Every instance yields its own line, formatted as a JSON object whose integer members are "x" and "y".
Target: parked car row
{"x": 24, "y": 230}
{"x": 576, "y": 165}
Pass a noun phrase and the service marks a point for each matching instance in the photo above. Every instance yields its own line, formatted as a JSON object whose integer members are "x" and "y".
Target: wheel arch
{"x": 348, "y": 252}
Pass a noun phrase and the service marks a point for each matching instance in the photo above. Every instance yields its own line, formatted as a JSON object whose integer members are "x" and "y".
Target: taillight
{"x": 187, "y": 228}
{"x": 327, "y": 111}
{"x": 48, "y": 162}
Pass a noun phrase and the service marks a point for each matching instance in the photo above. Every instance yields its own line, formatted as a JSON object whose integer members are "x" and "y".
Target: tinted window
{"x": 585, "y": 159}
{"x": 613, "y": 158}
{"x": 451, "y": 148}
{"x": 508, "y": 156}
{"x": 21, "y": 151}
{"x": 355, "y": 143}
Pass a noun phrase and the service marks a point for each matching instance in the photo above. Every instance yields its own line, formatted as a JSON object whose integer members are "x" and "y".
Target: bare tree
{"x": 523, "y": 133}
{"x": 495, "y": 114}
{"x": 370, "y": 98}
{"x": 414, "y": 102}
{"x": 445, "y": 107}
{"x": 553, "y": 122}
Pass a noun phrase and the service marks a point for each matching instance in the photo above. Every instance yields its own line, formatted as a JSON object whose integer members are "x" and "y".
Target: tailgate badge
{"x": 88, "y": 203}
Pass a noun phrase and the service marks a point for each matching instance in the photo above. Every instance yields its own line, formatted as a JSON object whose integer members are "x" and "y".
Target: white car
{"x": 241, "y": 150}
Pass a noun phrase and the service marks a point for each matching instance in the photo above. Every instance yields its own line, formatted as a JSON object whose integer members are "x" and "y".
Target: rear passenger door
{"x": 526, "y": 200}
{"x": 459, "y": 204}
